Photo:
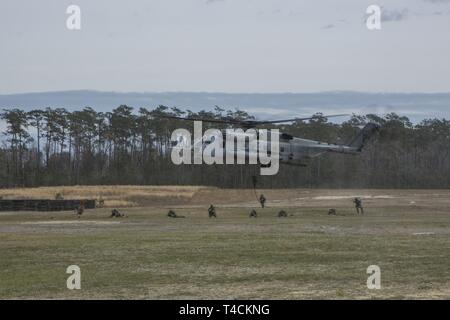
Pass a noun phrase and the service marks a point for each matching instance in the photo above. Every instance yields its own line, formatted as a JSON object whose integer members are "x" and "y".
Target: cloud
{"x": 334, "y": 25}
{"x": 394, "y": 15}
{"x": 213, "y": 1}
{"x": 328, "y": 26}
{"x": 438, "y": 1}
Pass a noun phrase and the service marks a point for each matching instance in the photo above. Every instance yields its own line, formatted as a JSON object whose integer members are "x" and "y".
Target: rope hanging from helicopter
{"x": 254, "y": 180}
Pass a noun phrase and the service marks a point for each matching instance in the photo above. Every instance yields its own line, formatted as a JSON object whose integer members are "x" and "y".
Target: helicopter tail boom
{"x": 363, "y": 136}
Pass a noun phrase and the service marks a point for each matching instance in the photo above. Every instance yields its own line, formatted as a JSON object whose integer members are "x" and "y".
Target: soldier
{"x": 332, "y": 211}
{"x": 80, "y": 209}
{"x": 358, "y": 205}
{"x": 282, "y": 214}
{"x": 212, "y": 211}
{"x": 172, "y": 214}
{"x": 116, "y": 214}
{"x": 262, "y": 200}
{"x": 101, "y": 202}
{"x": 253, "y": 214}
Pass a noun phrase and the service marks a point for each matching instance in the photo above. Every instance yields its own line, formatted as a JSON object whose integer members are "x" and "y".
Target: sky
{"x": 224, "y": 46}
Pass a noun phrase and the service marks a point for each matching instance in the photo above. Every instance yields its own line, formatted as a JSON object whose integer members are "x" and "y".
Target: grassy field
{"x": 307, "y": 255}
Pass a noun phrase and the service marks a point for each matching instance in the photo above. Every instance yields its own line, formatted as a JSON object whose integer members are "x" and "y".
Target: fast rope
{"x": 254, "y": 180}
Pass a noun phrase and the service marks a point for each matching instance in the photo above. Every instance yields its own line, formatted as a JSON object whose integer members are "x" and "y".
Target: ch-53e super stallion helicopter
{"x": 292, "y": 150}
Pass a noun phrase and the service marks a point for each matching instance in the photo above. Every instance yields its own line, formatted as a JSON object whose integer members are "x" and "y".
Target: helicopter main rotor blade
{"x": 229, "y": 121}
{"x": 246, "y": 123}
{"x": 299, "y": 119}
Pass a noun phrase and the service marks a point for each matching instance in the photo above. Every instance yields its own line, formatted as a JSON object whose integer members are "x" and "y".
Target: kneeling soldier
{"x": 253, "y": 214}
{"x": 116, "y": 214}
{"x": 172, "y": 214}
{"x": 282, "y": 214}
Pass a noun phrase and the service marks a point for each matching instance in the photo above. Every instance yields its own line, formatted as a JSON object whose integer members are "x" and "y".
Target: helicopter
{"x": 294, "y": 151}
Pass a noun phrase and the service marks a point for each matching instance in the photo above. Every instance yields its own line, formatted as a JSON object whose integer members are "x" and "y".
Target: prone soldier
{"x": 172, "y": 214}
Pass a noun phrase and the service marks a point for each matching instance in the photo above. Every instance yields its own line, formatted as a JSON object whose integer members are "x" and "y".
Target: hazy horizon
{"x": 222, "y": 92}
{"x": 416, "y": 106}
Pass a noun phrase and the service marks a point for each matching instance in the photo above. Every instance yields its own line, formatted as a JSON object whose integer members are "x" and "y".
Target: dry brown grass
{"x": 158, "y": 196}
{"x": 113, "y": 196}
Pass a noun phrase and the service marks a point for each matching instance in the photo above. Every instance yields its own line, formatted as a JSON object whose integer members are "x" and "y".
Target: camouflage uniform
{"x": 212, "y": 211}
{"x": 358, "y": 205}
{"x": 282, "y": 214}
{"x": 171, "y": 214}
{"x": 116, "y": 214}
{"x": 80, "y": 209}
{"x": 253, "y": 214}
{"x": 262, "y": 200}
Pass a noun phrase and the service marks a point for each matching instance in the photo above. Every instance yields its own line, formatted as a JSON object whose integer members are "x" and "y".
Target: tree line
{"x": 54, "y": 146}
